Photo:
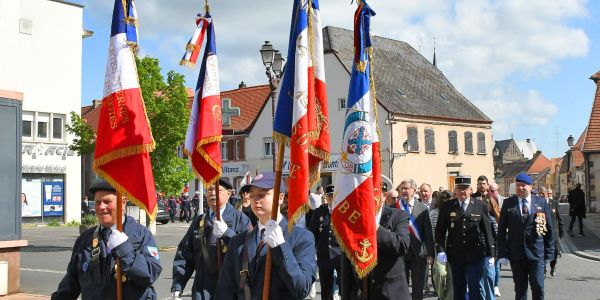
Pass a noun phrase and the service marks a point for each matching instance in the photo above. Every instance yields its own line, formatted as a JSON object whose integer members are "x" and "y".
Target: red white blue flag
{"x": 192, "y": 49}
{"x": 301, "y": 118}
{"x": 358, "y": 183}
{"x": 204, "y": 133}
{"x": 124, "y": 140}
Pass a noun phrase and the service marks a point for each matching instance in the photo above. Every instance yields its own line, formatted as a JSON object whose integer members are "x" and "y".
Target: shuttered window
{"x": 413, "y": 139}
{"x": 429, "y": 140}
{"x": 481, "y": 143}
{"x": 452, "y": 142}
{"x": 468, "y": 142}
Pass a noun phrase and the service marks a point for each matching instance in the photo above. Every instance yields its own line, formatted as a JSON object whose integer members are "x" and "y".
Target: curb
{"x": 566, "y": 241}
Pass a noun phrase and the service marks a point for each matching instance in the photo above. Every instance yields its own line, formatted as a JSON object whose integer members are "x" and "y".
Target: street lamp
{"x": 405, "y": 147}
{"x": 570, "y": 140}
{"x": 273, "y": 62}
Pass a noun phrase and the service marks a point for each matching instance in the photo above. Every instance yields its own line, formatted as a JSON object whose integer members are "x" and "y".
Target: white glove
{"x": 503, "y": 261}
{"x": 490, "y": 261}
{"x": 175, "y": 295}
{"x": 219, "y": 228}
{"x": 378, "y": 216}
{"x": 273, "y": 234}
{"x": 115, "y": 239}
{"x": 441, "y": 258}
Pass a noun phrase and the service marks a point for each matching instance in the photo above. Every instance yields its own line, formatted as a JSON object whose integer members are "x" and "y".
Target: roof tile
{"x": 591, "y": 142}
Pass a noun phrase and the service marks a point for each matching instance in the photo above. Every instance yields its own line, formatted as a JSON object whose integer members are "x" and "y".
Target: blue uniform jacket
{"x": 518, "y": 238}
{"x": 190, "y": 252}
{"x": 96, "y": 279}
{"x": 293, "y": 270}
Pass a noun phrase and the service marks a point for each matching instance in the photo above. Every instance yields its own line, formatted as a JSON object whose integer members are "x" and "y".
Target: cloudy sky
{"x": 525, "y": 63}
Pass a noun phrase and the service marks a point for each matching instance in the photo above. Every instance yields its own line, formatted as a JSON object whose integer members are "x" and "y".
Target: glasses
{"x": 213, "y": 190}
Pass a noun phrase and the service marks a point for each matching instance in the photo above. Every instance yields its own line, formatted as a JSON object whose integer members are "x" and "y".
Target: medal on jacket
{"x": 95, "y": 247}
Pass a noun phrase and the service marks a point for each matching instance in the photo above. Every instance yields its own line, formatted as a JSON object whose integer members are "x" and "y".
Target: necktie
{"x": 105, "y": 234}
{"x": 212, "y": 215}
{"x": 525, "y": 210}
{"x": 261, "y": 242}
{"x": 463, "y": 206}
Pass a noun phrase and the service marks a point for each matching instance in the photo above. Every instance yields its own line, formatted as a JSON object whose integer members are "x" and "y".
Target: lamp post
{"x": 273, "y": 62}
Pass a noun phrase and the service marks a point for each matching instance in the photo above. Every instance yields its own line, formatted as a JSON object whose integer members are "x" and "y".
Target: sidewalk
{"x": 22, "y": 296}
{"x": 587, "y": 246}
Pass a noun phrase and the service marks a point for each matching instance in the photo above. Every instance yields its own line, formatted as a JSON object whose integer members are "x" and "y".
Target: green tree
{"x": 85, "y": 137}
{"x": 167, "y": 108}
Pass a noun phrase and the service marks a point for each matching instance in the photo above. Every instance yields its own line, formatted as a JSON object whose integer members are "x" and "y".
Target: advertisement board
{"x": 53, "y": 196}
{"x": 31, "y": 198}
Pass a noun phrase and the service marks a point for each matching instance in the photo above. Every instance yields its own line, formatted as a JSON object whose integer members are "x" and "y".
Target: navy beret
{"x": 225, "y": 184}
{"x": 524, "y": 178}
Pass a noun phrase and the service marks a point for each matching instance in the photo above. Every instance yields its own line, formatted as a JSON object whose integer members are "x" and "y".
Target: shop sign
{"x": 234, "y": 168}
{"x": 46, "y": 150}
{"x": 44, "y": 169}
{"x": 332, "y": 166}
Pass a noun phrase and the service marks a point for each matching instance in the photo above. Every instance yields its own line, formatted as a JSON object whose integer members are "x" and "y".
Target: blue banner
{"x": 53, "y": 198}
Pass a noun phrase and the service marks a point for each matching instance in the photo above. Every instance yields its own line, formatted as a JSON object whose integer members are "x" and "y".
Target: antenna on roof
{"x": 434, "y": 60}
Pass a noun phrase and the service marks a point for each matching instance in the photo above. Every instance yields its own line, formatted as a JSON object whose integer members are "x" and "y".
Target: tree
{"x": 167, "y": 109}
{"x": 85, "y": 137}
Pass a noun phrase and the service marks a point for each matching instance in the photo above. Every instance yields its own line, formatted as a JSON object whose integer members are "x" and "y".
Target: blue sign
{"x": 53, "y": 197}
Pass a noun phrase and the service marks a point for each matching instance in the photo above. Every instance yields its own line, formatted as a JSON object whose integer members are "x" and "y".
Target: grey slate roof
{"x": 502, "y": 145}
{"x": 406, "y": 82}
{"x": 516, "y": 167}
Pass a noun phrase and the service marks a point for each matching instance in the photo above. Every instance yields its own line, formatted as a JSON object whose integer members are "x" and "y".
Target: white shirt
{"x": 528, "y": 204}
{"x": 261, "y": 226}
{"x": 467, "y": 201}
{"x": 315, "y": 200}
{"x": 222, "y": 210}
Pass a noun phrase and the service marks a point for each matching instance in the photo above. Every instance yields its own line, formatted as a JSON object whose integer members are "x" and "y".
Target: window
{"x": 481, "y": 143}
{"x": 57, "y": 127}
{"x": 452, "y": 142}
{"x": 42, "y": 120}
{"x": 27, "y": 131}
{"x": 237, "y": 150}
{"x": 268, "y": 146}
{"x": 224, "y": 151}
{"x": 413, "y": 139}
{"x": 468, "y": 142}
{"x": 591, "y": 164}
{"x": 342, "y": 103}
{"x": 429, "y": 140}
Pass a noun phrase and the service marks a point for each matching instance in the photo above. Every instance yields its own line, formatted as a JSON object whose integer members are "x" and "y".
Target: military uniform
{"x": 197, "y": 252}
{"x": 328, "y": 250}
{"x": 469, "y": 241}
{"x": 293, "y": 262}
{"x": 91, "y": 270}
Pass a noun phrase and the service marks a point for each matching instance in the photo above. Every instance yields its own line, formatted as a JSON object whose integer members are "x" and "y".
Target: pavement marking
{"x": 43, "y": 271}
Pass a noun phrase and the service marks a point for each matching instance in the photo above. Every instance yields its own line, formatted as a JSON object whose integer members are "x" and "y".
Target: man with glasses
{"x": 469, "y": 246}
{"x": 526, "y": 238}
{"x": 197, "y": 251}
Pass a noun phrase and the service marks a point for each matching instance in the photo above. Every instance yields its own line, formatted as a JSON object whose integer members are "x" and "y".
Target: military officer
{"x": 91, "y": 270}
{"x": 197, "y": 251}
{"x": 293, "y": 253}
{"x": 526, "y": 238}
{"x": 469, "y": 245}
{"x": 328, "y": 250}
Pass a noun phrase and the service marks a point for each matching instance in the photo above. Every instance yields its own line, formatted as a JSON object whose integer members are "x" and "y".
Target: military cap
{"x": 101, "y": 185}
{"x": 225, "y": 184}
{"x": 524, "y": 178}
{"x": 462, "y": 180}
{"x": 329, "y": 189}
{"x": 384, "y": 187}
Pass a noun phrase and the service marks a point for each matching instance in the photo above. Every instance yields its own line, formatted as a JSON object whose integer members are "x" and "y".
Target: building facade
{"x": 591, "y": 152}
{"x": 50, "y": 81}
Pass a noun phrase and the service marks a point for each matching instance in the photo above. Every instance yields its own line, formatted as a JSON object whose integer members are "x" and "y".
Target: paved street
{"x": 44, "y": 262}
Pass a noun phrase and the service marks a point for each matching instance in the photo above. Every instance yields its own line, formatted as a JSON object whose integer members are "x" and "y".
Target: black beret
{"x": 329, "y": 189}
{"x": 101, "y": 185}
{"x": 225, "y": 184}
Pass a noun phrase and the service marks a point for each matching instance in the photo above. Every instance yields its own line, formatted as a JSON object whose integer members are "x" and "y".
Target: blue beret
{"x": 524, "y": 178}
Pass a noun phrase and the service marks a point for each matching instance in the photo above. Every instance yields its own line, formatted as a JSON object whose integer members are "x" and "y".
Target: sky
{"x": 525, "y": 63}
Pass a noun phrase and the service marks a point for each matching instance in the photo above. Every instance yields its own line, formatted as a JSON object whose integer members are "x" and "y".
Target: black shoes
{"x": 553, "y": 272}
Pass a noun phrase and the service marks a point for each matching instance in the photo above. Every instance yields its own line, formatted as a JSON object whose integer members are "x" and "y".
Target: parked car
{"x": 162, "y": 216}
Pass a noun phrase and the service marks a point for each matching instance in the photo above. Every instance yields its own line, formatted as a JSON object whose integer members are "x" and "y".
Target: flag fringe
{"x": 301, "y": 211}
{"x": 123, "y": 191}
{"x": 122, "y": 153}
{"x": 208, "y": 159}
{"x": 281, "y": 138}
{"x": 190, "y": 47}
{"x": 187, "y": 63}
{"x": 360, "y": 272}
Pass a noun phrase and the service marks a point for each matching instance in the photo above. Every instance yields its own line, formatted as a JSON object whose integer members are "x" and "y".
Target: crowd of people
{"x": 451, "y": 243}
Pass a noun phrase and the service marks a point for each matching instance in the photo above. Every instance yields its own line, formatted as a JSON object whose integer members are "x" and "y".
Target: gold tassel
{"x": 122, "y": 153}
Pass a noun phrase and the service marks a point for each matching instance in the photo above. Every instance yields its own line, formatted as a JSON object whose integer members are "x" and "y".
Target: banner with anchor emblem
{"x": 358, "y": 182}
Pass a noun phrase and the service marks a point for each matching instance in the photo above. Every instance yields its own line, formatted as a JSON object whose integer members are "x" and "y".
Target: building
{"x": 591, "y": 151}
{"x": 429, "y": 131}
{"x": 505, "y": 152}
{"x": 42, "y": 60}
{"x": 528, "y": 148}
{"x": 538, "y": 167}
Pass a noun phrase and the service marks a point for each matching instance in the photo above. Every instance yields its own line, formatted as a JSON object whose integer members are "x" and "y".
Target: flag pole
{"x": 119, "y": 228}
{"x": 274, "y": 213}
{"x": 218, "y": 213}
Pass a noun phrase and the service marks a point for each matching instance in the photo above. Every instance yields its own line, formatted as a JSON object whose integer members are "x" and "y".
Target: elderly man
{"x": 425, "y": 194}
{"x": 557, "y": 221}
{"x": 197, "y": 251}
{"x": 391, "y": 199}
{"x": 292, "y": 252}
{"x": 526, "y": 238}
{"x": 420, "y": 253}
{"x": 91, "y": 270}
{"x": 469, "y": 245}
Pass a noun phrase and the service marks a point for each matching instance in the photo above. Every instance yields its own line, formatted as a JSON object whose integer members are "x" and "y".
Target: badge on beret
{"x": 453, "y": 214}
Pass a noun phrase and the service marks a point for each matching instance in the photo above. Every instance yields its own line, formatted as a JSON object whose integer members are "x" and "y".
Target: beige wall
{"x": 436, "y": 168}
{"x": 593, "y": 195}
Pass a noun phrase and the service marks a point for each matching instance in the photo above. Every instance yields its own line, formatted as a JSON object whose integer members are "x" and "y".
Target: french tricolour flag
{"x": 358, "y": 180}
{"x": 301, "y": 118}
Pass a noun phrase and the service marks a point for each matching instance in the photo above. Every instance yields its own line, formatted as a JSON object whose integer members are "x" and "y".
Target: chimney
{"x": 242, "y": 85}
{"x": 96, "y": 103}
{"x": 528, "y": 141}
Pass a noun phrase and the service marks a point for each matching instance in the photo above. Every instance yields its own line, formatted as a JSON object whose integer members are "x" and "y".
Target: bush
{"x": 53, "y": 223}
{"x": 89, "y": 220}
{"x": 72, "y": 224}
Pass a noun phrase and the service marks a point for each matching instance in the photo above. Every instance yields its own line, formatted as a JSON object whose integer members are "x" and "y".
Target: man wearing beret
{"x": 292, "y": 252}
{"x": 526, "y": 238}
{"x": 469, "y": 246}
{"x": 328, "y": 250}
{"x": 197, "y": 251}
{"x": 91, "y": 270}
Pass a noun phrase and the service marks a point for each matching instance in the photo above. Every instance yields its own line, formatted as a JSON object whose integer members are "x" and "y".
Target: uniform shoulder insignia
{"x": 154, "y": 252}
